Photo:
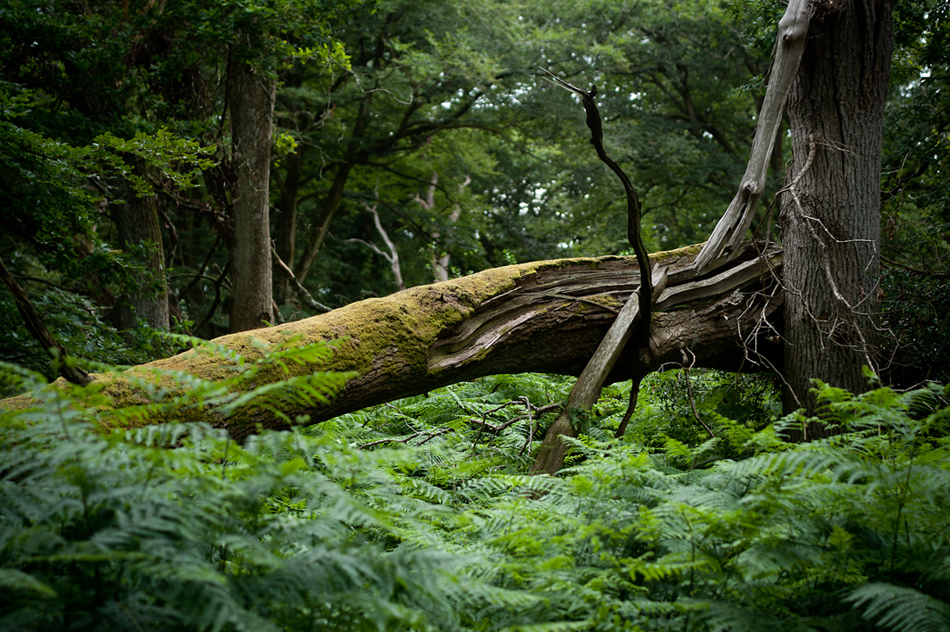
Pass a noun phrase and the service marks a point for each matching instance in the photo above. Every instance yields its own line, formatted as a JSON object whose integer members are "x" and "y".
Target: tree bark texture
{"x": 251, "y": 101}
{"x": 137, "y": 223}
{"x": 831, "y": 208}
{"x": 544, "y": 316}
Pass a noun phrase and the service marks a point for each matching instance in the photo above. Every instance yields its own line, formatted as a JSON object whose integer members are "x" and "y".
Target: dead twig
{"x": 631, "y": 406}
{"x": 405, "y": 440}
{"x": 305, "y": 296}
{"x": 689, "y": 391}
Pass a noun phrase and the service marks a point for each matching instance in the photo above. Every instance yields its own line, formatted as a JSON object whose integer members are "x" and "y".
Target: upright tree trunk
{"x": 285, "y": 226}
{"x": 137, "y": 223}
{"x": 295, "y": 118}
{"x": 251, "y": 101}
{"x": 322, "y": 224}
{"x": 831, "y": 209}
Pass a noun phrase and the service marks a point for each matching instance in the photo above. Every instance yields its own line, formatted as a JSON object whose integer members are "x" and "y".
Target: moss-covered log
{"x": 545, "y": 316}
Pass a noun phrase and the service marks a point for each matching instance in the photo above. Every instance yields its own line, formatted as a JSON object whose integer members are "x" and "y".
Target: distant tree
{"x": 251, "y": 93}
{"x": 915, "y": 196}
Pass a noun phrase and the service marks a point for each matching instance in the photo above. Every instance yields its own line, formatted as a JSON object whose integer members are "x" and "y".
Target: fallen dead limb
{"x": 538, "y": 317}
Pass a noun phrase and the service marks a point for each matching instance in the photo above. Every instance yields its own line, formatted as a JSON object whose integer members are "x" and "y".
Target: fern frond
{"x": 900, "y": 608}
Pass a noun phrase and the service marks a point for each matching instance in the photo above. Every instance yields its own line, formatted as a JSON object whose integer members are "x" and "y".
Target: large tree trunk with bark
{"x": 831, "y": 208}
{"x": 251, "y": 97}
{"x": 544, "y": 316}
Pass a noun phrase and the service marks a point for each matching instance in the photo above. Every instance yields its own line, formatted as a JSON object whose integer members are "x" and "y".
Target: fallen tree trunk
{"x": 539, "y": 317}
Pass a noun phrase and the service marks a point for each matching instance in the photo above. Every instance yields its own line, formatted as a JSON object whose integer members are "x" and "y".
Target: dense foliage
{"x": 416, "y": 141}
{"x": 411, "y": 137}
{"x": 418, "y": 515}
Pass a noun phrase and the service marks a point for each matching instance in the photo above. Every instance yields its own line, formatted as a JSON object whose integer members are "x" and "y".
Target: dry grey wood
{"x": 589, "y": 385}
{"x": 789, "y": 46}
{"x": 731, "y": 278}
{"x": 587, "y": 389}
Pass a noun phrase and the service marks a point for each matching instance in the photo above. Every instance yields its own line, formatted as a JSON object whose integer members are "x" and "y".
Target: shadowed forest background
{"x": 174, "y": 171}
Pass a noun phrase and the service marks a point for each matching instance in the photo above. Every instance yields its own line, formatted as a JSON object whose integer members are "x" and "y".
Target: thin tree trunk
{"x": 285, "y": 224}
{"x": 831, "y": 210}
{"x": 138, "y": 224}
{"x": 335, "y": 195}
{"x": 251, "y": 102}
{"x": 322, "y": 225}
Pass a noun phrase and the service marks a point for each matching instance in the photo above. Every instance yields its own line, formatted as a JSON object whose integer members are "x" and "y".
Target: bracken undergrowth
{"x": 419, "y": 515}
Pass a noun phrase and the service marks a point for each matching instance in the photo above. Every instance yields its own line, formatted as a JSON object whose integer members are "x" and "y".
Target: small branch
{"x": 393, "y": 256}
{"x": 34, "y": 322}
{"x": 429, "y": 203}
{"x": 201, "y": 270}
{"x": 41, "y": 281}
{"x": 631, "y": 407}
{"x": 301, "y": 290}
{"x": 217, "y": 298}
{"x": 433, "y": 435}
{"x": 891, "y": 262}
{"x": 406, "y": 440}
{"x": 689, "y": 391}
{"x": 371, "y": 246}
{"x": 533, "y": 413}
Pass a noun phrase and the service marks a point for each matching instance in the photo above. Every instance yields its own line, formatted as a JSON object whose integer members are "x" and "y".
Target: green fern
{"x": 419, "y": 515}
{"x": 900, "y": 608}
{"x": 176, "y": 527}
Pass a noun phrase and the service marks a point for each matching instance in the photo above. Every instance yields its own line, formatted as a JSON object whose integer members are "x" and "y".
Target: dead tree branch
{"x": 787, "y": 55}
{"x": 34, "y": 322}
{"x": 305, "y": 296}
{"x": 393, "y": 255}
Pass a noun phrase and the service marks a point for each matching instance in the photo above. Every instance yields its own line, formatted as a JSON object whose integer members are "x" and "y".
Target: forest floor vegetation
{"x": 419, "y": 515}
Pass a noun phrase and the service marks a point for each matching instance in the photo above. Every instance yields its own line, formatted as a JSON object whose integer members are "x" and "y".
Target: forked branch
{"x": 634, "y": 235}
{"x": 587, "y": 389}
{"x": 723, "y": 244}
